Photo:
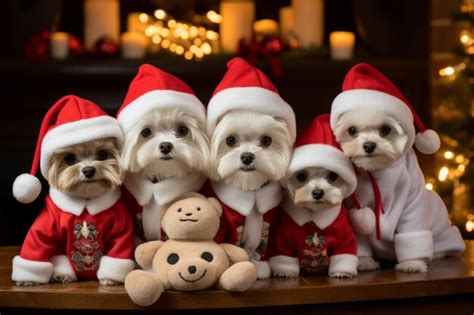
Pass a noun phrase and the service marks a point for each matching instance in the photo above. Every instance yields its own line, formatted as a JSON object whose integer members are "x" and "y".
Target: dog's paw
{"x": 415, "y": 265}
{"x": 59, "y": 278}
{"x": 367, "y": 264}
{"x": 285, "y": 274}
{"x": 27, "y": 283}
{"x": 341, "y": 275}
{"x": 108, "y": 282}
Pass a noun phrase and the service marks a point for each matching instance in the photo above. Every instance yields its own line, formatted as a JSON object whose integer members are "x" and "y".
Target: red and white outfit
{"x": 74, "y": 237}
{"x": 152, "y": 89}
{"x": 313, "y": 242}
{"x": 412, "y": 222}
{"x": 247, "y": 213}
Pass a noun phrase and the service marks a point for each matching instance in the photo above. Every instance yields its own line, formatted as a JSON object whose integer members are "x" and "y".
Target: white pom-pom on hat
{"x": 427, "y": 142}
{"x": 362, "y": 220}
{"x": 26, "y": 188}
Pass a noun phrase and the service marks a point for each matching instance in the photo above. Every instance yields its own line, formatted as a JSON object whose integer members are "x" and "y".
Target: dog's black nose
{"x": 166, "y": 147}
{"x": 317, "y": 194}
{"x": 247, "y": 158}
{"x": 88, "y": 171}
{"x": 189, "y": 214}
{"x": 369, "y": 147}
{"x": 192, "y": 269}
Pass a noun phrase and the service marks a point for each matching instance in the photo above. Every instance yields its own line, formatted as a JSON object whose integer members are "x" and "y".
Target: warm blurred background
{"x": 92, "y": 48}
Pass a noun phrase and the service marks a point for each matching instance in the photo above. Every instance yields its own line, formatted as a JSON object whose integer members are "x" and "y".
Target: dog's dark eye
{"x": 146, "y": 132}
{"x": 266, "y": 141}
{"x": 102, "y": 155}
{"x": 182, "y": 130}
{"x": 385, "y": 130}
{"x": 302, "y": 177}
{"x": 207, "y": 256}
{"x": 352, "y": 131}
{"x": 172, "y": 259}
{"x": 179, "y": 210}
{"x": 231, "y": 141}
{"x": 70, "y": 159}
{"x": 332, "y": 176}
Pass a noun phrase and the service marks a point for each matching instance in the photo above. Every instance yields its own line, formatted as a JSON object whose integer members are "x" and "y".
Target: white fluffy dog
{"x": 375, "y": 126}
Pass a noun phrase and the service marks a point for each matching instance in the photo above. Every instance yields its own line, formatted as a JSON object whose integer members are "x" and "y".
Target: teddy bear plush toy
{"x": 189, "y": 260}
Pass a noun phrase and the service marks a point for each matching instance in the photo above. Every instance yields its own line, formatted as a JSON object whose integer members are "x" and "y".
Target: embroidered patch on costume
{"x": 88, "y": 252}
{"x": 315, "y": 258}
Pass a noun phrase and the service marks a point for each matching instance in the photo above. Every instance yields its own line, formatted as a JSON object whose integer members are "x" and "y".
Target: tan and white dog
{"x": 375, "y": 126}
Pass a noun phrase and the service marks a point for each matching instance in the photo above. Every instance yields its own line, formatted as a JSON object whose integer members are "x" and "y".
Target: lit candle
{"x": 265, "y": 27}
{"x": 342, "y": 45}
{"x": 134, "y": 45}
{"x": 59, "y": 45}
{"x": 309, "y": 22}
{"x": 287, "y": 21}
{"x": 237, "y": 20}
{"x": 138, "y": 22}
{"x": 101, "y": 18}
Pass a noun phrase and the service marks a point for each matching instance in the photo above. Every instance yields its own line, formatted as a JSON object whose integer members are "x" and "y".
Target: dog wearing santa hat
{"x": 375, "y": 126}
{"x": 312, "y": 234}
{"x": 252, "y": 130}
{"x": 166, "y": 148}
{"x": 85, "y": 230}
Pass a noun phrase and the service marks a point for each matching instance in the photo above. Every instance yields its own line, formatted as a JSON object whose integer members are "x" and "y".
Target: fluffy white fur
{"x": 248, "y": 128}
{"x": 316, "y": 179}
{"x": 190, "y": 152}
{"x": 368, "y": 124}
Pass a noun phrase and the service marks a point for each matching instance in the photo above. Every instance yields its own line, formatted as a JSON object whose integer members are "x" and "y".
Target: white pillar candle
{"x": 237, "y": 22}
{"x": 138, "y": 22}
{"x": 134, "y": 45}
{"x": 101, "y": 18}
{"x": 342, "y": 45}
{"x": 287, "y": 21}
{"x": 59, "y": 45}
{"x": 309, "y": 22}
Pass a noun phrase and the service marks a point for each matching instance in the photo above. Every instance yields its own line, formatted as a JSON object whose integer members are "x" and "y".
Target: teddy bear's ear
{"x": 216, "y": 205}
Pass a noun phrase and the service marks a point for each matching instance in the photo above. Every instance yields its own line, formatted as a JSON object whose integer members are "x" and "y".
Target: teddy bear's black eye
{"x": 352, "y": 131}
{"x": 102, "y": 155}
{"x": 173, "y": 258}
{"x": 302, "y": 177}
{"x": 146, "y": 132}
{"x": 385, "y": 130}
{"x": 231, "y": 141}
{"x": 207, "y": 256}
{"x": 198, "y": 208}
{"x": 332, "y": 176}
{"x": 70, "y": 159}
{"x": 179, "y": 210}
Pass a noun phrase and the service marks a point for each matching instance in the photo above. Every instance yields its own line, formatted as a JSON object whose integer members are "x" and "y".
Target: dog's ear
{"x": 216, "y": 205}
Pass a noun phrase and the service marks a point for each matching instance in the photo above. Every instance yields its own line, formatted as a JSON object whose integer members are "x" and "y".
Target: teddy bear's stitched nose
{"x": 192, "y": 269}
{"x": 189, "y": 214}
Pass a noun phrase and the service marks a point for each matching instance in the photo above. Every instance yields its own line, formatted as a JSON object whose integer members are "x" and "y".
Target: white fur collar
{"x": 163, "y": 191}
{"x": 76, "y": 205}
{"x": 301, "y": 216}
{"x": 243, "y": 201}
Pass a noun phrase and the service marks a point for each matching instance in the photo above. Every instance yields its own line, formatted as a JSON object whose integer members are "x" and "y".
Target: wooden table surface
{"x": 452, "y": 277}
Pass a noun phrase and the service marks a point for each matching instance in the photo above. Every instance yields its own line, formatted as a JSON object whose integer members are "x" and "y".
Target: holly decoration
{"x": 267, "y": 47}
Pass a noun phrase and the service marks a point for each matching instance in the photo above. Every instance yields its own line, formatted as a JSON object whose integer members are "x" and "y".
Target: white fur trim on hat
{"x": 26, "y": 188}
{"x": 31, "y": 271}
{"x": 326, "y": 156}
{"x": 413, "y": 245}
{"x": 250, "y": 98}
{"x": 345, "y": 263}
{"x": 362, "y": 220}
{"x": 284, "y": 265}
{"x": 77, "y": 132}
{"x": 427, "y": 142}
{"x": 114, "y": 268}
{"x": 160, "y": 99}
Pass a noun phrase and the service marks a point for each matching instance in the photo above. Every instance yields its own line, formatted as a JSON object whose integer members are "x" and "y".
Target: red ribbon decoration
{"x": 269, "y": 48}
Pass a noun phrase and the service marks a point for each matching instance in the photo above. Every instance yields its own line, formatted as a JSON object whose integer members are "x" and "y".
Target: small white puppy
{"x": 375, "y": 126}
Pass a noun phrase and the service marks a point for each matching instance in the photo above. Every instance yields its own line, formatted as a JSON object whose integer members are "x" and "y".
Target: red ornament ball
{"x": 105, "y": 47}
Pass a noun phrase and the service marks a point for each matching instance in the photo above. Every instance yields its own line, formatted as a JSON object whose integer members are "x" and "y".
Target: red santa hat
{"x": 153, "y": 88}
{"x": 246, "y": 87}
{"x": 365, "y": 87}
{"x": 72, "y": 120}
{"x": 317, "y": 147}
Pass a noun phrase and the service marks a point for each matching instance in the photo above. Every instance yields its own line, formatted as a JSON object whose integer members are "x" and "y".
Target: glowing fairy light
{"x": 443, "y": 174}
{"x": 143, "y": 17}
{"x": 448, "y": 155}
{"x": 446, "y": 71}
{"x": 160, "y": 14}
{"x": 429, "y": 186}
{"x": 214, "y": 17}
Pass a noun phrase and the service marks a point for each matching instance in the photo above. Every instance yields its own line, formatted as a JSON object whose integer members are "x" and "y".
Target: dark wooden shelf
{"x": 447, "y": 279}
